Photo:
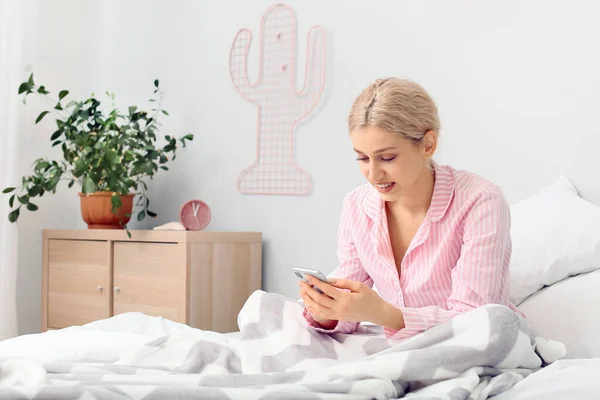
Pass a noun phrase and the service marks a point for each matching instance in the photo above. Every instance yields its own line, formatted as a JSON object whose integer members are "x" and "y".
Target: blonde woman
{"x": 434, "y": 240}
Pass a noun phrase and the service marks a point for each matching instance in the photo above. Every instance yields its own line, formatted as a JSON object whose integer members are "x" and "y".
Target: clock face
{"x": 195, "y": 215}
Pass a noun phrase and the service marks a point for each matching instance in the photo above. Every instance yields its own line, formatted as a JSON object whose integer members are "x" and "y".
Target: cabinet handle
{"x": 117, "y": 289}
{"x": 100, "y": 288}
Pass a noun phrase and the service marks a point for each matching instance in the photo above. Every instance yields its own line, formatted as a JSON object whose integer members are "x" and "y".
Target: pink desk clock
{"x": 195, "y": 215}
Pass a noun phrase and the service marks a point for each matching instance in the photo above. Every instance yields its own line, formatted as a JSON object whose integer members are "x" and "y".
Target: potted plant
{"x": 108, "y": 153}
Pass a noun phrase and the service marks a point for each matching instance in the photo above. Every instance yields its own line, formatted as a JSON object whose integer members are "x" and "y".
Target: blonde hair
{"x": 396, "y": 105}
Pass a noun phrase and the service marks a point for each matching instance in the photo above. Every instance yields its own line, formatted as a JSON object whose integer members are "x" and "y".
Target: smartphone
{"x": 301, "y": 273}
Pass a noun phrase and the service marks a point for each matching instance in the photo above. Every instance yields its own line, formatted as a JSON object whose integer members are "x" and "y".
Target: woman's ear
{"x": 429, "y": 143}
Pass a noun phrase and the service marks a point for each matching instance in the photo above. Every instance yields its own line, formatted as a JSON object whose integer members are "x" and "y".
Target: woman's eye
{"x": 388, "y": 159}
{"x": 362, "y": 159}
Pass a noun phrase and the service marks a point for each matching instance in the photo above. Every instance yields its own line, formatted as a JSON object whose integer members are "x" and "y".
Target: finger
{"x": 353, "y": 286}
{"x": 303, "y": 296}
{"x": 312, "y": 307}
{"x": 303, "y": 286}
{"x": 321, "y": 298}
{"x": 307, "y": 288}
{"x": 325, "y": 287}
{"x": 316, "y": 309}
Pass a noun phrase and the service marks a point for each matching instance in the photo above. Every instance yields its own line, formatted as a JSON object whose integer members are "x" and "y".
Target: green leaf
{"x": 35, "y": 190}
{"x": 132, "y": 109}
{"x": 53, "y": 182}
{"x": 9, "y": 189}
{"x": 146, "y": 168}
{"x": 43, "y": 90}
{"x": 58, "y": 106}
{"x": 56, "y": 135}
{"x": 88, "y": 185}
{"x": 32, "y": 207}
{"x": 42, "y": 164}
{"x": 113, "y": 157}
{"x": 11, "y": 201}
{"x": 165, "y": 112}
{"x": 30, "y": 81}
{"x": 24, "y": 87}
{"x": 164, "y": 168}
{"x": 23, "y": 199}
{"x": 83, "y": 114}
{"x": 56, "y": 143}
{"x": 156, "y": 82}
{"x": 151, "y": 214}
{"x": 189, "y": 136}
{"x": 71, "y": 183}
{"x": 141, "y": 216}
{"x": 116, "y": 201}
{"x": 63, "y": 94}
{"x": 13, "y": 216}
{"x": 80, "y": 165}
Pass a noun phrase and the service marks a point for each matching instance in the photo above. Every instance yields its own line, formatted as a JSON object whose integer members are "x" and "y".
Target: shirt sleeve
{"x": 349, "y": 266}
{"x": 481, "y": 274}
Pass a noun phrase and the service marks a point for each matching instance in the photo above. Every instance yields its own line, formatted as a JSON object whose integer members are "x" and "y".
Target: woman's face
{"x": 391, "y": 163}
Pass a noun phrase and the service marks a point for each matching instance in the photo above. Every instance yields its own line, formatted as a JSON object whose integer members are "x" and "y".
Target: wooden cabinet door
{"x": 78, "y": 282}
{"x": 150, "y": 278}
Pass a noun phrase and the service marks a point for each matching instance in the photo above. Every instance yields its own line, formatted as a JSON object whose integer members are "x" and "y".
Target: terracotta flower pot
{"x": 96, "y": 210}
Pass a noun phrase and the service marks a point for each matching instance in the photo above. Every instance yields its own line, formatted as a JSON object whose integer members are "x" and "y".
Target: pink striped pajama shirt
{"x": 457, "y": 261}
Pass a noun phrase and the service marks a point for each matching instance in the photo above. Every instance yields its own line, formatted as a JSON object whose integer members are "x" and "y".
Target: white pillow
{"x": 566, "y": 312}
{"x": 555, "y": 234}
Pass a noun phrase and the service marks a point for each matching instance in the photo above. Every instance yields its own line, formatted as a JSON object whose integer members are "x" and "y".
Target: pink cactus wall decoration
{"x": 280, "y": 105}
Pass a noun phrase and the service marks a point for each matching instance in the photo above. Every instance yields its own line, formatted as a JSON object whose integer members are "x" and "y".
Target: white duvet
{"x": 109, "y": 340}
{"x": 103, "y": 341}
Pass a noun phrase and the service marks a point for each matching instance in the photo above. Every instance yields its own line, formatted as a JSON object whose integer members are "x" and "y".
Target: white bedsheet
{"x": 575, "y": 379}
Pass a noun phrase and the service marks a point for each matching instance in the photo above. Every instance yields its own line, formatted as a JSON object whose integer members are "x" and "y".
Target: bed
{"x": 489, "y": 352}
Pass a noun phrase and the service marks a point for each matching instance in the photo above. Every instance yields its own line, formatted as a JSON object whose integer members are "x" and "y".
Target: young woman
{"x": 434, "y": 240}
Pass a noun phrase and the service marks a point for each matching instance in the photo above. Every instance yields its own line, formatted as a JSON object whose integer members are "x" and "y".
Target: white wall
{"x": 516, "y": 83}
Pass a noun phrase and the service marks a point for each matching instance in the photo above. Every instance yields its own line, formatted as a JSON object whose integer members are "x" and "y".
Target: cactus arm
{"x": 238, "y": 60}
{"x": 315, "y": 70}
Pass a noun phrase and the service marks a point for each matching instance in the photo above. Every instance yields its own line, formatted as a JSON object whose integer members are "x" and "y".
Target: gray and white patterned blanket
{"x": 476, "y": 355}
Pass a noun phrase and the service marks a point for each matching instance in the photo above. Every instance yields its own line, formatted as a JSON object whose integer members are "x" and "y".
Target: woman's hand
{"x": 305, "y": 288}
{"x": 355, "y": 302}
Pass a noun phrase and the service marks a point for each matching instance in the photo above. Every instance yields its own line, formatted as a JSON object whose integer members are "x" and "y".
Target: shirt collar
{"x": 443, "y": 191}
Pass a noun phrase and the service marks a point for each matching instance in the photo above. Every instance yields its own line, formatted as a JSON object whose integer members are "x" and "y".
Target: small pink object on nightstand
{"x": 195, "y": 215}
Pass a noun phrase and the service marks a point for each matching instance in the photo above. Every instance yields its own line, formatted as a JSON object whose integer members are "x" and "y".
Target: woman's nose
{"x": 374, "y": 172}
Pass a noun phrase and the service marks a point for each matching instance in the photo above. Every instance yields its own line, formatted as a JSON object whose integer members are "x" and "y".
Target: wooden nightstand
{"x": 198, "y": 278}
